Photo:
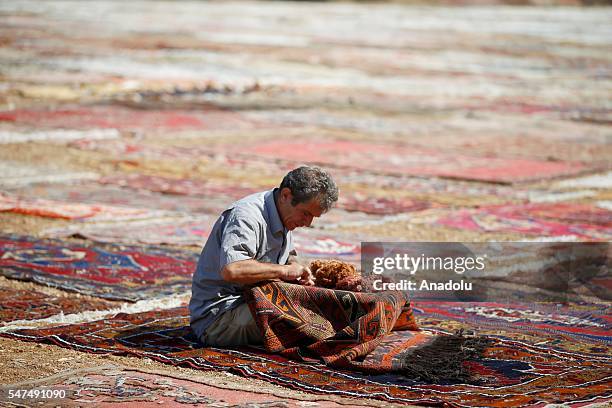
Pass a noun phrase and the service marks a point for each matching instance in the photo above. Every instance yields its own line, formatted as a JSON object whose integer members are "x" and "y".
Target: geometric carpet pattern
{"x": 519, "y": 370}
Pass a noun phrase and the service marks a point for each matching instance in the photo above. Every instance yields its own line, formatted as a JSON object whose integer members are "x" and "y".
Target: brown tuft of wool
{"x": 335, "y": 274}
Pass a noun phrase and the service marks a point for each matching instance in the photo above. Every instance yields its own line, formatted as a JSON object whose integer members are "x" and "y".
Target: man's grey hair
{"x": 308, "y": 182}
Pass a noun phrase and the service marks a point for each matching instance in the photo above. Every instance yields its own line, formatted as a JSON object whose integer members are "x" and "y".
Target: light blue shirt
{"x": 250, "y": 228}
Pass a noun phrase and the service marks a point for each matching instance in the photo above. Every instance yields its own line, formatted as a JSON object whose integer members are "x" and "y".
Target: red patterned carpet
{"x": 21, "y": 304}
{"x": 413, "y": 160}
{"x": 526, "y": 366}
{"x": 558, "y": 219}
{"x": 108, "y": 271}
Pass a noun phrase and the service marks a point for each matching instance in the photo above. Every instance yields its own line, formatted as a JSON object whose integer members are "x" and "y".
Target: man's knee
{"x": 235, "y": 327}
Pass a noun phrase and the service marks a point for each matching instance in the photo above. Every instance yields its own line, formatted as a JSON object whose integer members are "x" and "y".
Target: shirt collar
{"x": 276, "y": 225}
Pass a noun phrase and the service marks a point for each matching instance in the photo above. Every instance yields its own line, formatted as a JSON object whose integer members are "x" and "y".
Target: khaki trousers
{"x": 235, "y": 327}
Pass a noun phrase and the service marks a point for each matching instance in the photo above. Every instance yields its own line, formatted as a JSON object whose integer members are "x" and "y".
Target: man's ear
{"x": 286, "y": 195}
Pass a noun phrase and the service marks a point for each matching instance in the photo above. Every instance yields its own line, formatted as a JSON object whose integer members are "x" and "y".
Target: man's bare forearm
{"x": 252, "y": 271}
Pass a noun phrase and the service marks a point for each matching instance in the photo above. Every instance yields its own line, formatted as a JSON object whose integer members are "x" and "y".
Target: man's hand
{"x": 295, "y": 271}
{"x": 250, "y": 271}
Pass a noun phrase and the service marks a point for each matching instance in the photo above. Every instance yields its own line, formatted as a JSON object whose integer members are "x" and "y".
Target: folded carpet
{"x": 352, "y": 330}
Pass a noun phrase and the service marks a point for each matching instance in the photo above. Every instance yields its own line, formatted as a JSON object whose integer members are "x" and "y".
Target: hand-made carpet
{"x": 24, "y": 304}
{"x": 517, "y": 370}
{"x": 108, "y": 271}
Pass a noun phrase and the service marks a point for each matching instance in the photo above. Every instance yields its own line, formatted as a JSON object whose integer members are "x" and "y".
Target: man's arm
{"x": 251, "y": 271}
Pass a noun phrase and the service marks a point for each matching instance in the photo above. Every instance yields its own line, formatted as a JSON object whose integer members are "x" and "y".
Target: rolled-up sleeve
{"x": 239, "y": 240}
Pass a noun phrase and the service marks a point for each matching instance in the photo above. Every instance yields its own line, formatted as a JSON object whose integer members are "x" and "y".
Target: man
{"x": 252, "y": 242}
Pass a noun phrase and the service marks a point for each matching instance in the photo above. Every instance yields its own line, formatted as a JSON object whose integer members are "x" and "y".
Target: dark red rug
{"x": 516, "y": 371}
{"x": 109, "y": 271}
{"x": 25, "y": 304}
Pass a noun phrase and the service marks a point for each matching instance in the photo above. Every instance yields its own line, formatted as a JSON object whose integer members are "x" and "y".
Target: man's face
{"x": 300, "y": 215}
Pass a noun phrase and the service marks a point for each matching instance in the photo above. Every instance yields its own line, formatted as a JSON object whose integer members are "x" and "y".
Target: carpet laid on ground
{"x": 96, "y": 193}
{"x": 516, "y": 370}
{"x": 15, "y": 174}
{"x": 194, "y": 231}
{"x": 110, "y": 385}
{"x": 412, "y": 160}
{"x": 547, "y": 219}
{"x": 381, "y": 205}
{"x": 25, "y": 304}
{"x": 124, "y": 118}
{"x": 56, "y": 136}
{"x": 180, "y": 186}
{"x": 581, "y": 328}
{"x": 312, "y": 244}
{"x": 108, "y": 271}
{"x": 185, "y": 230}
{"x": 71, "y": 210}
{"x": 231, "y": 191}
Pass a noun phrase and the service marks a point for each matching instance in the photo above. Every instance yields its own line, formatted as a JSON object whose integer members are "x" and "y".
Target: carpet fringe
{"x": 443, "y": 360}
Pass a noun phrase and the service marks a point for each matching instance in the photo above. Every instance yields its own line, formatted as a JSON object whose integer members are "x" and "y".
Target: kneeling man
{"x": 252, "y": 242}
